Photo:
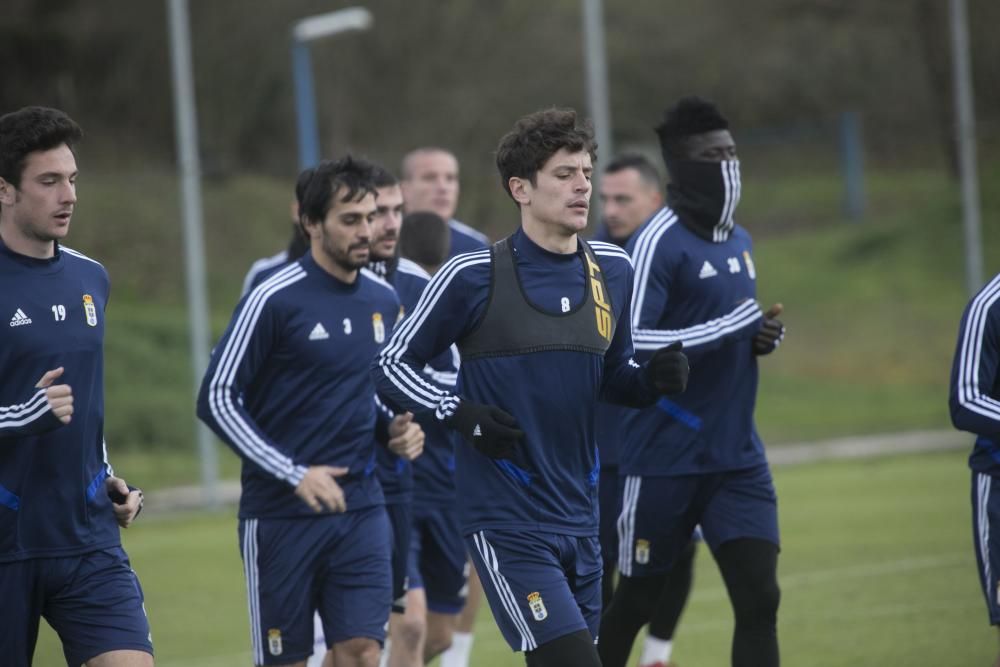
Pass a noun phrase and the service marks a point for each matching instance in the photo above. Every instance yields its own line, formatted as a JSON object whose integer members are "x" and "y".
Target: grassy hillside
{"x": 872, "y": 311}
{"x": 877, "y": 568}
{"x": 871, "y": 308}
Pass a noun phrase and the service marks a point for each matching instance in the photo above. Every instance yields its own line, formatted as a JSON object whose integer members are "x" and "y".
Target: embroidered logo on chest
{"x": 707, "y": 270}
{"x": 318, "y": 332}
{"x": 748, "y": 260}
{"x": 378, "y": 327}
{"x": 19, "y": 319}
{"x": 90, "y": 310}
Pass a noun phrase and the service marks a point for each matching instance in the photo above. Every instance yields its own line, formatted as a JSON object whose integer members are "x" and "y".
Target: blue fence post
{"x": 852, "y": 165}
{"x": 305, "y": 105}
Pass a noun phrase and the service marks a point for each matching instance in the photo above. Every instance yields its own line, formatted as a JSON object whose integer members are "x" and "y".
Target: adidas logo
{"x": 318, "y": 332}
{"x": 477, "y": 431}
{"x": 19, "y": 319}
{"x": 707, "y": 270}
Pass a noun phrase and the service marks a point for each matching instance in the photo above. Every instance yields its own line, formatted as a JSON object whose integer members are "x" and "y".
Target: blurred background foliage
{"x": 458, "y": 73}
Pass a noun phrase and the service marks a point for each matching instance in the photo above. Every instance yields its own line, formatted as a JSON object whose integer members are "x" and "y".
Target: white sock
{"x": 655, "y": 650}
{"x": 319, "y": 643}
{"x": 461, "y": 649}
{"x": 384, "y": 660}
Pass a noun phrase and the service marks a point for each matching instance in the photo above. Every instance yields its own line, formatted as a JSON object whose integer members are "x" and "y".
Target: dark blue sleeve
{"x": 465, "y": 239}
{"x": 974, "y": 370}
{"x": 441, "y": 317}
{"x": 30, "y": 417}
{"x": 655, "y": 268}
{"x": 245, "y": 345}
{"x": 383, "y": 417}
{"x": 624, "y": 378}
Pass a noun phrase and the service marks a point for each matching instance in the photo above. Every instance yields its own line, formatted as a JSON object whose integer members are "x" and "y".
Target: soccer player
{"x": 288, "y": 389}
{"x": 394, "y": 471}
{"x": 975, "y": 407}
{"x": 630, "y": 195}
{"x": 541, "y": 322}
{"x": 416, "y": 634}
{"x": 298, "y": 244}
{"x": 438, "y": 560}
{"x": 430, "y": 183}
{"x": 425, "y": 239}
{"x": 60, "y": 503}
{"x": 697, "y": 459}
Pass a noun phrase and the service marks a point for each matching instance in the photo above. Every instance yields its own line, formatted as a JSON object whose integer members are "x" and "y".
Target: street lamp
{"x": 308, "y": 30}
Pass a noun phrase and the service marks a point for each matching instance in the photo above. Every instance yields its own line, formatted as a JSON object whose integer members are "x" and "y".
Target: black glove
{"x": 668, "y": 370}
{"x": 490, "y": 430}
{"x": 771, "y": 332}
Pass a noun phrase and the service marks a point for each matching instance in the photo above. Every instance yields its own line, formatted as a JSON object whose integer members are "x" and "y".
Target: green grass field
{"x": 877, "y": 569}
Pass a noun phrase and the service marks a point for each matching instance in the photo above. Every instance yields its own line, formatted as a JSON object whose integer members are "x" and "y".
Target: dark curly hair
{"x": 32, "y": 129}
{"x": 536, "y": 138}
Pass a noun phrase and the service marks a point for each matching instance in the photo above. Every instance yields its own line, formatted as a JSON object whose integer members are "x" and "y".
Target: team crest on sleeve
{"x": 90, "y": 310}
{"x": 274, "y": 641}
{"x": 642, "y": 551}
{"x": 537, "y": 605}
{"x": 378, "y": 327}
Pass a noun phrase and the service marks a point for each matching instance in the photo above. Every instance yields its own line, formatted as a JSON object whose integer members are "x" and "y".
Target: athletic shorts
{"x": 93, "y": 601}
{"x": 401, "y": 521}
{"x": 540, "y": 586}
{"x": 986, "y": 517}
{"x": 659, "y": 515}
{"x": 610, "y": 500}
{"x": 338, "y": 564}
{"x": 438, "y": 560}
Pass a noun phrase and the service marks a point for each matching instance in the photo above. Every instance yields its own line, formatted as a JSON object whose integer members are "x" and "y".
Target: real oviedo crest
{"x": 537, "y": 605}
{"x": 90, "y": 310}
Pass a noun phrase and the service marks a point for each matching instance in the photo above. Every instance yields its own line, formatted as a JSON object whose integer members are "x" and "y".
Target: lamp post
{"x": 305, "y": 31}
{"x": 965, "y": 135}
{"x": 189, "y": 173}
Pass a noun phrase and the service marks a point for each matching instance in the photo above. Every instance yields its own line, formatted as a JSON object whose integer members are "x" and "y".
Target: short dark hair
{"x": 299, "y": 242}
{"x": 690, "y": 116}
{"x": 349, "y": 174}
{"x": 301, "y": 184}
{"x": 32, "y": 129}
{"x": 382, "y": 177}
{"x": 537, "y": 137}
{"x": 647, "y": 171}
{"x": 425, "y": 238}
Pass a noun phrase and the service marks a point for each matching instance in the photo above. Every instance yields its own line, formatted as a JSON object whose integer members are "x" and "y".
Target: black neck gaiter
{"x": 704, "y": 195}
